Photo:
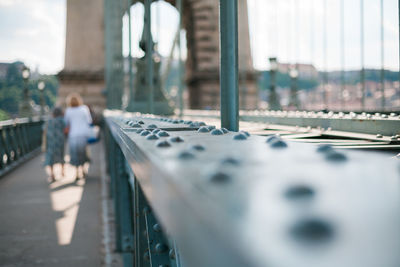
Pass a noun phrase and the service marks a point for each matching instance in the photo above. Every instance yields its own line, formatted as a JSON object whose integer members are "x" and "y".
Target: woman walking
{"x": 77, "y": 119}
{"x": 54, "y": 142}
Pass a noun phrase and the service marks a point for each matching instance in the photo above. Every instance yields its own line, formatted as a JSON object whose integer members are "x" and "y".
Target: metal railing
{"x": 19, "y": 140}
{"x": 233, "y": 199}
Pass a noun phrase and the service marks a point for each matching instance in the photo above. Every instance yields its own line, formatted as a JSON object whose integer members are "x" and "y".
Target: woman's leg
{"x": 52, "y": 178}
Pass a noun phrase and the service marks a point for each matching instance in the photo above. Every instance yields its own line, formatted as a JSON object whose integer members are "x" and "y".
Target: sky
{"x": 34, "y": 32}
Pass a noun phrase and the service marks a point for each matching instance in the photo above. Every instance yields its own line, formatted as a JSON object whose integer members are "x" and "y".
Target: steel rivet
{"x": 157, "y": 228}
{"x": 324, "y": 148}
{"x": 198, "y": 147}
{"x": 163, "y": 144}
{"x": 278, "y": 144}
{"x": 379, "y": 136}
{"x": 186, "y": 155}
{"x": 135, "y": 125}
{"x": 172, "y": 255}
{"x": 230, "y": 161}
{"x": 155, "y": 131}
{"x": 176, "y": 139}
{"x": 312, "y": 231}
{"x": 152, "y": 126}
{"x": 272, "y": 138}
{"x": 393, "y": 138}
{"x": 240, "y": 136}
{"x": 139, "y": 131}
{"x": 246, "y": 133}
{"x": 141, "y": 122}
{"x": 144, "y": 133}
{"x": 203, "y": 129}
{"x": 152, "y": 137}
{"x": 210, "y": 127}
{"x": 336, "y": 156}
{"x": 299, "y": 192}
{"x": 161, "y": 248}
{"x": 224, "y": 130}
{"x": 220, "y": 177}
{"x": 162, "y": 134}
{"x": 201, "y": 123}
{"x": 217, "y": 132}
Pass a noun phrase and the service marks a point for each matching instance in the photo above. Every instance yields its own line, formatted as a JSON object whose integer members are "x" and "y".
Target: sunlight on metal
{"x": 229, "y": 65}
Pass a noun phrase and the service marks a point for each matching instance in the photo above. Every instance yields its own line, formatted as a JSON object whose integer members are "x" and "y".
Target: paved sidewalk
{"x": 56, "y": 224}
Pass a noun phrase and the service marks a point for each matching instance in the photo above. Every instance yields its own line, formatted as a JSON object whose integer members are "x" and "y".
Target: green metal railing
{"x": 19, "y": 140}
{"x": 139, "y": 236}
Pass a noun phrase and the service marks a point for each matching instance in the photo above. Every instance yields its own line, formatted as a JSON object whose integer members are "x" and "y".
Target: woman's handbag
{"x": 93, "y": 134}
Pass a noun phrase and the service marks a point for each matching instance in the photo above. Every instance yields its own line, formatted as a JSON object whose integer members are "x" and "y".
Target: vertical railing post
{"x": 362, "y": 74}
{"x": 180, "y": 78}
{"x": 382, "y": 58}
{"x": 149, "y": 56}
{"x": 229, "y": 64}
{"x": 131, "y": 93}
{"x": 342, "y": 56}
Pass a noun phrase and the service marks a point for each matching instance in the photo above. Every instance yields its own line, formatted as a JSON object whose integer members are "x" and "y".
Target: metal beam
{"x": 229, "y": 65}
{"x": 149, "y": 56}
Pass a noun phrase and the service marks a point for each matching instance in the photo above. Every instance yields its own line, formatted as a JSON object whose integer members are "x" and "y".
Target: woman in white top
{"x": 77, "y": 120}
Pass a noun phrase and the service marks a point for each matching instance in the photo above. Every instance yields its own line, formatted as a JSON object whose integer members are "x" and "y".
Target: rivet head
{"x": 312, "y": 231}
{"x": 172, "y": 255}
{"x": 163, "y": 144}
{"x": 155, "y": 131}
{"x": 298, "y": 192}
{"x": 175, "y": 121}
{"x": 162, "y": 134}
{"x": 152, "y": 126}
{"x": 145, "y": 133}
{"x": 379, "y": 136}
{"x": 203, "y": 129}
{"x": 161, "y": 248}
{"x": 201, "y": 123}
{"x": 187, "y": 122}
{"x": 278, "y": 144}
{"x": 135, "y": 125}
{"x": 139, "y": 131}
{"x": 220, "y": 178}
{"x": 272, "y": 138}
{"x": 186, "y": 155}
{"x": 335, "y": 156}
{"x": 224, "y": 130}
{"x": 141, "y": 122}
{"x": 176, "y": 139}
{"x": 246, "y": 133}
{"x": 152, "y": 137}
{"x": 240, "y": 136}
{"x": 157, "y": 228}
{"x": 211, "y": 127}
{"x": 393, "y": 137}
{"x": 217, "y": 132}
{"x": 231, "y": 161}
{"x": 324, "y": 148}
{"x": 198, "y": 147}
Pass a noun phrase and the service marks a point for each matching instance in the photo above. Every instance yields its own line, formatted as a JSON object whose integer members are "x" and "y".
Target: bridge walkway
{"x": 51, "y": 224}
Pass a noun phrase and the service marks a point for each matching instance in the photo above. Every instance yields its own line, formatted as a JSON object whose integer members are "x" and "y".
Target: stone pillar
{"x": 201, "y": 20}
{"x": 84, "y": 53}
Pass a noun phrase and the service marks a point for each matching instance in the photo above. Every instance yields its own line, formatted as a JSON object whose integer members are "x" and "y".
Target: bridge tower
{"x": 84, "y": 53}
{"x": 201, "y": 20}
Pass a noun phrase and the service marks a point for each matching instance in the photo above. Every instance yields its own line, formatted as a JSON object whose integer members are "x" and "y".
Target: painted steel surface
{"x": 233, "y": 199}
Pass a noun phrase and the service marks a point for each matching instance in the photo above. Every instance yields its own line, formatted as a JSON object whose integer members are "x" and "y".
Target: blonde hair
{"x": 74, "y": 100}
